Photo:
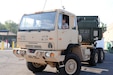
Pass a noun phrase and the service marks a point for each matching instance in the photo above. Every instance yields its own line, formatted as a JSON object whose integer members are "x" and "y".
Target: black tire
{"x": 34, "y": 69}
{"x": 101, "y": 55}
{"x": 93, "y": 57}
{"x": 76, "y": 63}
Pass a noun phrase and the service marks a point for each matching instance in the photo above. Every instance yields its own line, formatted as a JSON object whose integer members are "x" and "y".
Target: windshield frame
{"x": 36, "y": 29}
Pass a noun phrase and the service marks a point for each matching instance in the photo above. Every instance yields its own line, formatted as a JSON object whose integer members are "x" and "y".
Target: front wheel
{"x": 72, "y": 65}
{"x": 35, "y": 67}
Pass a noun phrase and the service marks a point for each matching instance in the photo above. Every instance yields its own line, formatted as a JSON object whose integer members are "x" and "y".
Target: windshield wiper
{"x": 44, "y": 30}
{"x": 29, "y": 30}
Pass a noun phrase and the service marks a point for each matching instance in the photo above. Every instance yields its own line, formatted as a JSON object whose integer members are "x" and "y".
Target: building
{"x": 108, "y": 37}
{"x": 7, "y": 36}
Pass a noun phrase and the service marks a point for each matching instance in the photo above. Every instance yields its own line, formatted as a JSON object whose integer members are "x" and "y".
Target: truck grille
{"x": 33, "y": 46}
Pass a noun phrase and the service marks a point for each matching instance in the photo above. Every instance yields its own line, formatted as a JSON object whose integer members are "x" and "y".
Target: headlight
{"x": 23, "y": 52}
{"x": 18, "y": 52}
{"x": 47, "y": 54}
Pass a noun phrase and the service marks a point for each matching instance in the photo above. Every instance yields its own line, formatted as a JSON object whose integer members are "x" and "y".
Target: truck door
{"x": 65, "y": 33}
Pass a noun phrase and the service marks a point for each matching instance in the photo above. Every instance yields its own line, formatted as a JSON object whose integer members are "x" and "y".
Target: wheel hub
{"x": 71, "y": 66}
{"x": 96, "y": 57}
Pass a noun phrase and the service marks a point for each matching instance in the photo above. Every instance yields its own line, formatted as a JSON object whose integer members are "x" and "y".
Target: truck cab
{"x": 42, "y": 40}
{"x": 46, "y": 28}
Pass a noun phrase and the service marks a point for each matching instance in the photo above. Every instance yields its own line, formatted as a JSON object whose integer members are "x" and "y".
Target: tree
{"x": 103, "y": 26}
{"x": 11, "y": 26}
{"x": 2, "y": 27}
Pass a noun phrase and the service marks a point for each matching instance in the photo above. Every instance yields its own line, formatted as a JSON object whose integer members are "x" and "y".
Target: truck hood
{"x": 37, "y": 40}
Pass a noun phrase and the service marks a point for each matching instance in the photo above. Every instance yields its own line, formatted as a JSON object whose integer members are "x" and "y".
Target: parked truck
{"x": 42, "y": 41}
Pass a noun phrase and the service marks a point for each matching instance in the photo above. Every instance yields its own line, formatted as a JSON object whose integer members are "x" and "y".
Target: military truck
{"x": 42, "y": 41}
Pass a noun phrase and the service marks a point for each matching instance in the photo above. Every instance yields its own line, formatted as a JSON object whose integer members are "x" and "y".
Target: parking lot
{"x": 11, "y": 65}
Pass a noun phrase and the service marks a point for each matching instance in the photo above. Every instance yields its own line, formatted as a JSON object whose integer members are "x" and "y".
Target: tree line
{"x": 10, "y": 26}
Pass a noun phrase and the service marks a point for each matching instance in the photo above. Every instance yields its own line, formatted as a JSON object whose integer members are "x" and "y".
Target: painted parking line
{"x": 93, "y": 70}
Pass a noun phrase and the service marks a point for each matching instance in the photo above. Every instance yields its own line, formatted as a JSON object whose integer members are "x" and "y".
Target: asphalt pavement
{"x": 11, "y": 65}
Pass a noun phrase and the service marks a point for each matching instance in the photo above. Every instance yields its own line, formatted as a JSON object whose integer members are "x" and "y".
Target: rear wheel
{"x": 35, "y": 67}
{"x": 101, "y": 55}
{"x": 93, "y": 57}
{"x": 72, "y": 65}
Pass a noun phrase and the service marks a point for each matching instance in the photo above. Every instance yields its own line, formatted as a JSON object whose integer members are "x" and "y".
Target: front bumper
{"x": 39, "y": 56}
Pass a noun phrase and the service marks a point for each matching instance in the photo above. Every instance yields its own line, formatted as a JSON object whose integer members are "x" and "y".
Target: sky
{"x": 14, "y": 9}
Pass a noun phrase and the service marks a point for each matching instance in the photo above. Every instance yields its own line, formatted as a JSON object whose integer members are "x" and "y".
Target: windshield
{"x": 41, "y": 21}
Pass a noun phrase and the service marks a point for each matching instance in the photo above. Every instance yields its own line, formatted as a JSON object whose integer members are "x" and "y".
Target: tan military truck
{"x": 42, "y": 40}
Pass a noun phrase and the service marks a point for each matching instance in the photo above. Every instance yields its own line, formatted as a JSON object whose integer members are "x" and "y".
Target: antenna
{"x": 62, "y": 5}
{"x": 44, "y": 4}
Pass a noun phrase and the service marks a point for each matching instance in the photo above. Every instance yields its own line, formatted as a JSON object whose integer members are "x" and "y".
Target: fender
{"x": 68, "y": 50}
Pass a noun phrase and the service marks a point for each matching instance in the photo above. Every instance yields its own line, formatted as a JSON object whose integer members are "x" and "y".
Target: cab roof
{"x": 54, "y": 10}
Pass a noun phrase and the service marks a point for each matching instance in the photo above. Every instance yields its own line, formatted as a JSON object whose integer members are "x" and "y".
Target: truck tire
{"x": 72, "y": 65}
{"x": 35, "y": 67}
{"x": 93, "y": 57}
{"x": 101, "y": 55}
